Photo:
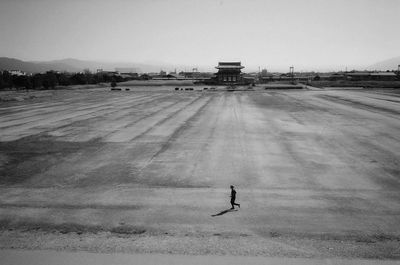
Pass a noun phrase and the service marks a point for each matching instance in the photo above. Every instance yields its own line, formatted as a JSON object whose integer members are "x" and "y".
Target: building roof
{"x": 229, "y": 65}
{"x": 372, "y": 74}
{"x": 108, "y": 72}
{"x": 359, "y": 73}
{"x": 177, "y": 76}
{"x": 384, "y": 74}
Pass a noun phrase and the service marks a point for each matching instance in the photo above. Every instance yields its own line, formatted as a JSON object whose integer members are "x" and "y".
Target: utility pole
{"x": 194, "y": 72}
{"x": 291, "y": 69}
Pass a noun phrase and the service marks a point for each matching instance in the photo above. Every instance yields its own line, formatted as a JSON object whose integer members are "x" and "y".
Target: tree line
{"x": 51, "y": 79}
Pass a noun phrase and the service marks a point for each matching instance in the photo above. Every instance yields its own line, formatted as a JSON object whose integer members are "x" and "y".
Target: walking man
{"x": 233, "y": 198}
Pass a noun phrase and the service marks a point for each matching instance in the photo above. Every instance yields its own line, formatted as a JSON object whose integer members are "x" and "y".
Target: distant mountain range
{"x": 74, "y": 65}
{"x": 389, "y": 64}
{"x": 33, "y": 67}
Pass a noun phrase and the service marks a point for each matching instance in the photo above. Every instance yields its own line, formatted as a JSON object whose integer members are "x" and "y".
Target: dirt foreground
{"x": 43, "y": 257}
{"x": 317, "y": 172}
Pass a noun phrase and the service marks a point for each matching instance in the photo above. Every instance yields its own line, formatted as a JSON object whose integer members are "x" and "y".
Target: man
{"x": 233, "y": 198}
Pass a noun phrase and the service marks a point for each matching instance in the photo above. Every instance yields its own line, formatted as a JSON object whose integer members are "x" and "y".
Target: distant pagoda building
{"x": 229, "y": 73}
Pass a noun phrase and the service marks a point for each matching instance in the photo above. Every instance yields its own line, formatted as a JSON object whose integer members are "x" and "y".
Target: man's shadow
{"x": 224, "y": 212}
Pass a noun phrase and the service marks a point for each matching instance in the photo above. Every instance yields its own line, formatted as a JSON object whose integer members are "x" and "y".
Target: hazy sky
{"x": 309, "y": 34}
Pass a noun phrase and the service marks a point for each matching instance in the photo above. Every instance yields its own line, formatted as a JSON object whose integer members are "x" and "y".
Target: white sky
{"x": 309, "y": 34}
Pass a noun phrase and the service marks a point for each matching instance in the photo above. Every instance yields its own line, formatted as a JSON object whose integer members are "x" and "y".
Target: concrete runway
{"x": 317, "y": 172}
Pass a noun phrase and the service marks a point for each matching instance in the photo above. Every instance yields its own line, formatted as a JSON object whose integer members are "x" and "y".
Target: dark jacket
{"x": 233, "y": 194}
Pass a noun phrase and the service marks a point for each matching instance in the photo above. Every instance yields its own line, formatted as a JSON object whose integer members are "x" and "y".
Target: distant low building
{"x": 264, "y": 73}
{"x": 17, "y": 72}
{"x": 365, "y": 76}
{"x": 384, "y": 76}
{"x": 129, "y": 75}
{"x": 196, "y": 75}
{"x": 337, "y": 76}
{"x": 358, "y": 76}
{"x": 169, "y": 77}
{"x": 189, "y": 75}
{"x": 108, "y": 73}
{"x": 266, "y": 77}
{"x": 145, "y": 77}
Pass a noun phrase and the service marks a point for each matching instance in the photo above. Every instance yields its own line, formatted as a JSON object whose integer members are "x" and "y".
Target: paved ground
{"x": 18, "y": 257}
{"x": 317, "y": 172}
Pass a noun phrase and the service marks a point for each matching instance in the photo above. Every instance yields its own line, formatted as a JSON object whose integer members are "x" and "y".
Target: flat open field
{"x": 317, "y": 172}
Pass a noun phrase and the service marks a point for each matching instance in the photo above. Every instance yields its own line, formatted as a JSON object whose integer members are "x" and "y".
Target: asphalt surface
{"x": 317, "y": 172}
